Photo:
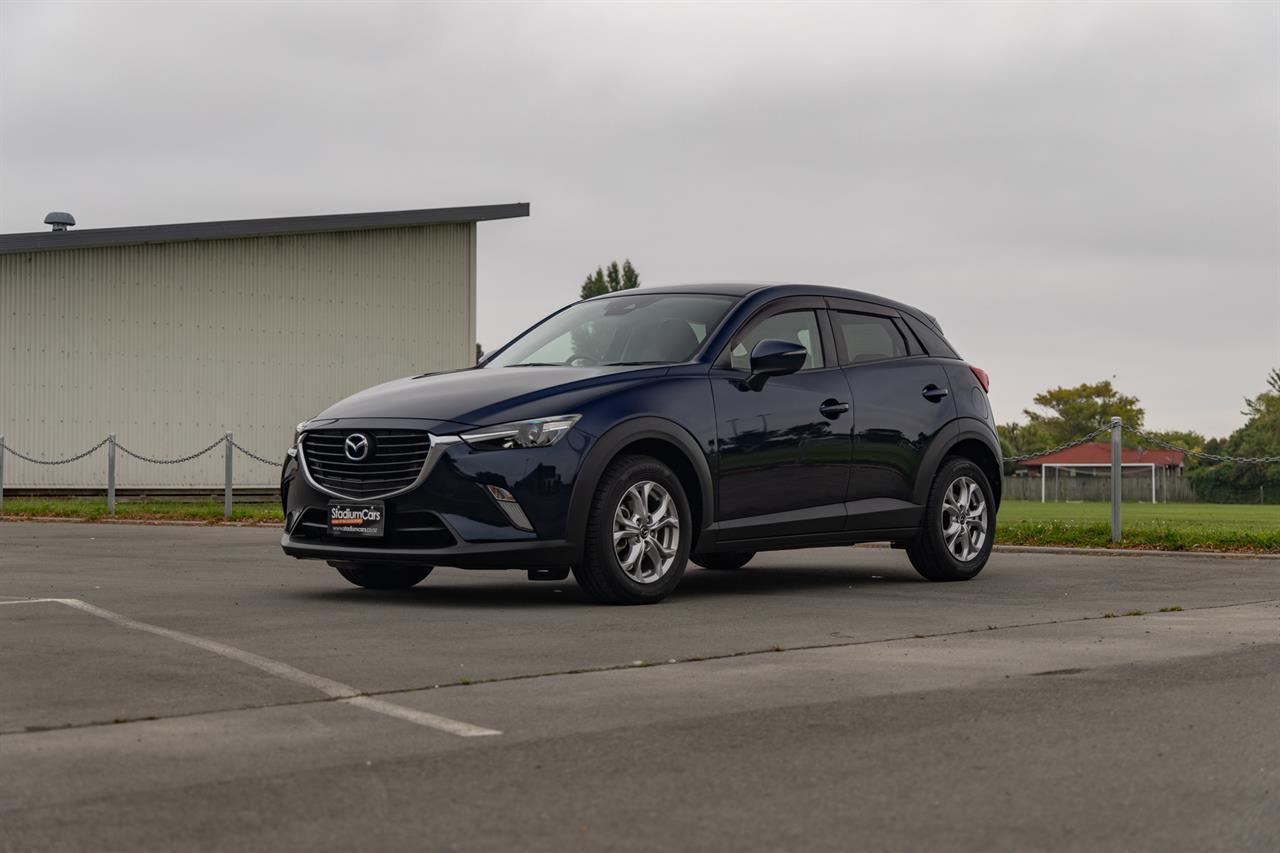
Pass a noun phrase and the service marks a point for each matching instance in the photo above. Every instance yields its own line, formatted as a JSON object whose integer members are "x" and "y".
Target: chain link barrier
{"x": 1159, "y": 442}
{"x": 255, "y": 457}
{"x": 1061, "y": 447}
{"x": 69, "y": 459}
{"x": 140, "y": 457}
{"x": 1084, "y": 439}
{"x": 127, "y": 452}
{"x": 1212, "y": 457}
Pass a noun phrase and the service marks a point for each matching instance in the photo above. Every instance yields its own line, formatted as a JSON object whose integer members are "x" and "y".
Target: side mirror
{"x": 774, "y": 358}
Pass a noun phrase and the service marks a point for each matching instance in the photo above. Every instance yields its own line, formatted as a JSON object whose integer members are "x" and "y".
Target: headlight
{"x": 539, "y": 432}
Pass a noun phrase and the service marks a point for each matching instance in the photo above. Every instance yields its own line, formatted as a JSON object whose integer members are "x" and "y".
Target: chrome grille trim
{"x": 438, "y": 444}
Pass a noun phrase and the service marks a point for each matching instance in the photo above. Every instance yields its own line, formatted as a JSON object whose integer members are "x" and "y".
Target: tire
{"x": 955, "y": 555}
{"x": 382, "y": 575}
{"x": 723, "y": 561}
{"x": 622, "y": 574}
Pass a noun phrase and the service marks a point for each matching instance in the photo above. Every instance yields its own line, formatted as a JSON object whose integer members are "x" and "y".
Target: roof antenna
{"x": 59, "y": 220}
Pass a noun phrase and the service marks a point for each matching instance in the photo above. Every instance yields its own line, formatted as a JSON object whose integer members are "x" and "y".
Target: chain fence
{"x": 5, "y": 448}
{"x": 1067, "y": 445}
{"x": 227, "y": 442}
{"x": 255, "y": 457}
{"x": 175, "y": 461}
{"x": 1212, "y": 457}
{"x": 230, "y": 447}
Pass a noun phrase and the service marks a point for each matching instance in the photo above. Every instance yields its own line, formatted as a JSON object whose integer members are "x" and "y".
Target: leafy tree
{"x": 1260, "y": 436}
{"x": 612, "y": 280}
{"x": 1079, "y": 410}
{"x": 1072, "y": 412}
{"x": 587, "y": 344}
{"x": 1187, "y": 439}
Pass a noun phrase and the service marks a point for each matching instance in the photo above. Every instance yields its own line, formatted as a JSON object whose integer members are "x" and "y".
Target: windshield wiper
{"x": 538, "y": 364}
{"x": 633, "y": 363}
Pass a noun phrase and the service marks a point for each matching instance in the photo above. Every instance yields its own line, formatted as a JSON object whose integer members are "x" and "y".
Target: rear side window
{"x": 933, "y": 342}
{"x": 868, "y": 337}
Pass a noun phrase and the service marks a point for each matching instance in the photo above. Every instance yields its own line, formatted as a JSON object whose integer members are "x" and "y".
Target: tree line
{"x": 1073, "y": 412}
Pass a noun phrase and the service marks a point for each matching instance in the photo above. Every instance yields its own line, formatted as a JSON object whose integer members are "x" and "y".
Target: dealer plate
{"x": 357, "y": 519}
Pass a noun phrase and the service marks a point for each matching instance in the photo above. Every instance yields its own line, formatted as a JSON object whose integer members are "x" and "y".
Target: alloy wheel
{"x": 964, "y": 519}
{"x": 646, "y": 531}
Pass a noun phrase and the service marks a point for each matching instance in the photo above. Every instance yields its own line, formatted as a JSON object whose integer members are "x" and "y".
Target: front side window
{"x": 659, "y": 328}
{"x": 868, "y": 337}
{"x": 800, "y": 327}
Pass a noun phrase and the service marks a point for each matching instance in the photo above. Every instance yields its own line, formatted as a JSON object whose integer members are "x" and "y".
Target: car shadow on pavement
{"x": 764, "y": 579}
{"x": 510, "y": 589}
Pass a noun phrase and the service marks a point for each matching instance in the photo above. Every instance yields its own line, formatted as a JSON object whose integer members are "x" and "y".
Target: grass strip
{"x": 1061, "y": 534}
{"x": 95, "y": 509}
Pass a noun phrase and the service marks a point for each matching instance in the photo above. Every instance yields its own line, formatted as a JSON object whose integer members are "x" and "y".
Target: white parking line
{"x": 344, "y": 693}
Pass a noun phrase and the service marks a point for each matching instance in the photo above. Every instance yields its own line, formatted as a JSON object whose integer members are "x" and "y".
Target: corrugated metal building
{"x": 171, "y": 335}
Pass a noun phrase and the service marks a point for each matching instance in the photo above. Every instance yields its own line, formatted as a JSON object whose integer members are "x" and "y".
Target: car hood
{"x": 483, "y": 396}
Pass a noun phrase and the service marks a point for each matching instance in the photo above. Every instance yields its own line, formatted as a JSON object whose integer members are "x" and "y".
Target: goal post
{"x": 1044, "y": 472}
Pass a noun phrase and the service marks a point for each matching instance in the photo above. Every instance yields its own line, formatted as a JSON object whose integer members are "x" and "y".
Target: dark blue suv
{"x": 626, "y": 435}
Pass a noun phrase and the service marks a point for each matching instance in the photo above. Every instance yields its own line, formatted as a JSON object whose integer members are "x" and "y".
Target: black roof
{"x": 776, "y": 289}
{"x": 41, "y": 241}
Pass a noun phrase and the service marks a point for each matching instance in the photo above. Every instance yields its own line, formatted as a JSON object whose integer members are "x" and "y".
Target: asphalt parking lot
{"x": 171, "y": 688}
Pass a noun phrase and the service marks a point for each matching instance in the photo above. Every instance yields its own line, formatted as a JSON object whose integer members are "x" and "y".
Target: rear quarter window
{"x": 934, "y": 344}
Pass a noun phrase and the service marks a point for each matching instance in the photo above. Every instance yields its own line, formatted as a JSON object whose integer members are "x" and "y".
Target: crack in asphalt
{"x": 325, "y": 700}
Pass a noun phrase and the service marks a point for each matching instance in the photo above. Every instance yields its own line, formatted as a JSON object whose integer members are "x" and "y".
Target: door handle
{"x": 832, "y": 409}
{"x": 933, "y": 393}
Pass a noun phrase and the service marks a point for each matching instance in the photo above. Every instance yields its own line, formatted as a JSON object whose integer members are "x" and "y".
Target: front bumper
{"x": 449, "y": 518}
{"x": 489, "y": 555}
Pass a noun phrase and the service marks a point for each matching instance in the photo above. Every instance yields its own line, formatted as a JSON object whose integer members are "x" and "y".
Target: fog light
{"x": 509, "y": 506}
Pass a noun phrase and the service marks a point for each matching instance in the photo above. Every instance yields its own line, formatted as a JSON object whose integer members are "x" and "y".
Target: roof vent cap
{"x": 59, "y": 220}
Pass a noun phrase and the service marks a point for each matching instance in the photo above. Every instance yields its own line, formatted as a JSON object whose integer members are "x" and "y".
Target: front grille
{"x": 393, "y": 464}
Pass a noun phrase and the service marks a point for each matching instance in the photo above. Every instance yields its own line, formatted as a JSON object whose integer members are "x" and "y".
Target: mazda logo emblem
{"x": 357, "y": 447}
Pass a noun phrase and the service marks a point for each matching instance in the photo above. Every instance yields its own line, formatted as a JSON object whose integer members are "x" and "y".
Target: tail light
{"x": 983, "y": 379}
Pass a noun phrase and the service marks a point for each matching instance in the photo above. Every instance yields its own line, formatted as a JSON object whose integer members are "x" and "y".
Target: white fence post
{"x": 226, "y": 495}
{"x": 111, "y": 474}
{"x": 1115, "y": 479}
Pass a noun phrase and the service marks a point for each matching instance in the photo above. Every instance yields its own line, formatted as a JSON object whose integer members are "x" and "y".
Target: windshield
{"x": 661, "y": 328}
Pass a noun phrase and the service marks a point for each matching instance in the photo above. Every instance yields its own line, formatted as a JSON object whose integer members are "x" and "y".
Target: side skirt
{"x": 706, "y": 545}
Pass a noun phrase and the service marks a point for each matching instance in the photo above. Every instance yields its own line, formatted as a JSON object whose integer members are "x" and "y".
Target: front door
{"x": 784, "y": 450}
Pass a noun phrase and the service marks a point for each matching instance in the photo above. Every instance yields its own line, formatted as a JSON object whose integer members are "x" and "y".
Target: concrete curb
{"x": 1113, "y": 552}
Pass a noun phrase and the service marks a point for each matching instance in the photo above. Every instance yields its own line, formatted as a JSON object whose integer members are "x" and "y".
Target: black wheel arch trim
{"x": 607, "y": 447}
{"x": 958, "y": 430}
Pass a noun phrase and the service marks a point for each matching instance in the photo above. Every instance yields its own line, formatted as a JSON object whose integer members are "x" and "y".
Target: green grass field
{"x": 1168, "y": 527}
{"x": 95, "y": 509}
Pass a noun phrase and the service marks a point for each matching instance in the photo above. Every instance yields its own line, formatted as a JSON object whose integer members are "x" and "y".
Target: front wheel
{"x": 959, "y": 524}
{"x": 382, "y": 575}
{"x": 638, "y": 534}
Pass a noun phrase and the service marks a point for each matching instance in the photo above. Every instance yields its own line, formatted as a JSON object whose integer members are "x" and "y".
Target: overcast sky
{"x": 1077, "y": 191}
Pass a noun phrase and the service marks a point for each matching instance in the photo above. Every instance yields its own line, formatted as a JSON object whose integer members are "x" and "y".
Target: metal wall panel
{"x": 169, "y": 345}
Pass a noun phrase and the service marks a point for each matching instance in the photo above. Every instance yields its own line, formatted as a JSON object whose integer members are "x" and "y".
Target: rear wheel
{"x": 959, "y": 524}
{"x": 638, "y": 532}
{"x": 382, "y": 575}
{"x": 724, "y": 560}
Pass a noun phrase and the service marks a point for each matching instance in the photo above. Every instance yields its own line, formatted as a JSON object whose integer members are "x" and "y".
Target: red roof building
{"x": 1099, "y": 453}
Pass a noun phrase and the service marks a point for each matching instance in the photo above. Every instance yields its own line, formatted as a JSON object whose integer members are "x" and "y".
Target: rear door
{"x": 901, "y": 401}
